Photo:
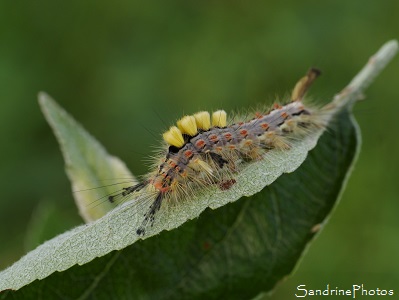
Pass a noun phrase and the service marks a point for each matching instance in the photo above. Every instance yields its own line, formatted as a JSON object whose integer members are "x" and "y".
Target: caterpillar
{"x": 205, "y": 149}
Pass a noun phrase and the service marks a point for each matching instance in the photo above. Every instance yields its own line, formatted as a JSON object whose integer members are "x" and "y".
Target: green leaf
{"x": 235, "y": 251}
{"x": 87, "y": 163}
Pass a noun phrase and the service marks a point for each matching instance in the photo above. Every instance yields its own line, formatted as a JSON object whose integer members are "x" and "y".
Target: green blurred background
{"x": 127, "y": 70}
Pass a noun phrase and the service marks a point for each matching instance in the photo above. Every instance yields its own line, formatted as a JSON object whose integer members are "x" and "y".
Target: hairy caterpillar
{"x": 205, "y": 150}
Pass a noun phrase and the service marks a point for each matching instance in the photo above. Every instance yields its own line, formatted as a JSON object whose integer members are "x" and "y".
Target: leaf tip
{"x": 44, "y": 100}
{"x": 43, "y": 97}
{"x": 393, "y": 43}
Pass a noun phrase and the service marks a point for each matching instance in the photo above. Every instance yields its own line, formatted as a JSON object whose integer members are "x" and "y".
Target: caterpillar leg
{"x": 227, "y": 184}
{"x": 127, "y": 191}
{"x": 149, "y": 217}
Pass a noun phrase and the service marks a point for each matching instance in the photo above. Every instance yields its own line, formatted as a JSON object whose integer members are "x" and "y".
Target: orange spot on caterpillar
{"x": 213, "y": 138}
{"x": 264, "y": 126}
{"x": 219, "y": 149}
{"x": 188, "y": 153}
{"x": 232, "y": 147}
{"x": 171, "y": 163}
{"x": 200, "y": 144}
{"x": 284, "y": 115}
{"x": 228, "y": 136}
{"x": 277, "y": 106}
{"x": 244, "y": 132}
{"x": 159, "y": 186}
